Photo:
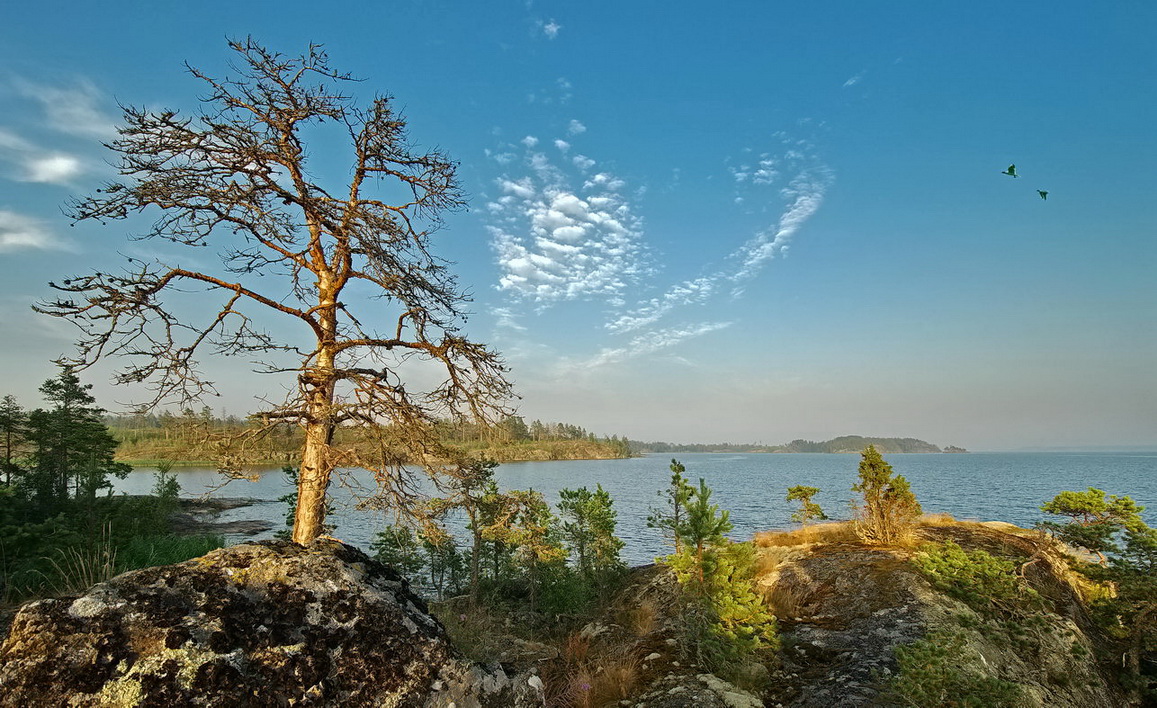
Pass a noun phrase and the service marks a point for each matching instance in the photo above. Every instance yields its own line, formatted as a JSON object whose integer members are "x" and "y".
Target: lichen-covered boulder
{"x": 260, "y": 624}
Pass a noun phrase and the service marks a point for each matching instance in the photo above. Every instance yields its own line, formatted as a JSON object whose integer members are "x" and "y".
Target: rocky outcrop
{"x": 261, "y": 624}
{"x": 845, "y": 608}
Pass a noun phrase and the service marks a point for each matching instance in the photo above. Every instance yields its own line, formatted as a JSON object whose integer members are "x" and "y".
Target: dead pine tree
{"x": 236, "y": 176}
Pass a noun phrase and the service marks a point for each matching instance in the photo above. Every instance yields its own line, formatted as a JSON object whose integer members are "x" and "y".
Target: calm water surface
{"x": 985, "y": 486}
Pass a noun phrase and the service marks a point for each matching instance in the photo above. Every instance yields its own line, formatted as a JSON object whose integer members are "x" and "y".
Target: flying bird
{"x": 1011, "y": 171}
{"x": 1043, "y": 194}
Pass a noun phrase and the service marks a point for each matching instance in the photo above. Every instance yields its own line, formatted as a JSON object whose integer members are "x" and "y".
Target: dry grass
{"x": 583, "y": 680}
{"x": 771, "y": 557}
{"x": 475, "y": 632}
{"x": 599, "y": 684}
{"x": 784, "y": 600}
{"x": 642, "y": 619}
{"x": 940, "y": 519}
{"x": 575, "y": 649}
{"x": 835, "y": 532}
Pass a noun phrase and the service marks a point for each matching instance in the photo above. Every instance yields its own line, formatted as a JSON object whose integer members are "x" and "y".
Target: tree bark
{"x": 312, "y": 483}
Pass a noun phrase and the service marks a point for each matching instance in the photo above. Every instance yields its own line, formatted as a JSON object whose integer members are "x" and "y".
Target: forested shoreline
{"x": 193, "y": 437}
{"x": 845, "y": 444}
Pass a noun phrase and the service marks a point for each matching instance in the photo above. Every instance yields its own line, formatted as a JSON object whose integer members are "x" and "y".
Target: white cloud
{"x": 854, "y": 80}
{"x": 806, "y": 194}
{"x": 530, "y": 141}
{"x": 74, "y": 110}
{"x": 562, "y": 145}
{"x": 801, "y": 198}
{"x": 36, "y": 165}
{"x": 583, "y": 162}
{"x": 20, "y": 232}
{"x": 13, "y": 142}
{"x": 56, "y": 169}
{"x": 550, "y": 29}
{"x": 575, "y": 127}
{"x": 506, "y": 318}
{"x": 556, "y": 243}
{"x": 648, "y": 343}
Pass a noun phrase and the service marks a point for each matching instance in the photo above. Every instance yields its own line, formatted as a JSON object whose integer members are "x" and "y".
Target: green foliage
{"x": 588, "y": 529}
{"x": 703, "y": 524}
{"x": 524, "y": 522}
{"x": 164, "y": 549}
{"x": 1094, "y": 521}
{"x": 932, "y": 673}
{"x": 1112, "y": 526}
{"x": 986, "y": 583}
{"x": 56, "y": 533}
{"x": 13, "y": 433}
{"x": 445, "y": 564}
{"x": 669, "y": 517}
{"x": 725, "y": 620}
{"x": 71, "y": 450}
{"x": 808, "y": 510}
{"x": 397, "y": 546}
{"x": 890, "y": 508}
{"x": 84, "y": 542}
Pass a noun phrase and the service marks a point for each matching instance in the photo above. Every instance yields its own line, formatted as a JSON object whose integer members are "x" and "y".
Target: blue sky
{"x": 751, "y": 222}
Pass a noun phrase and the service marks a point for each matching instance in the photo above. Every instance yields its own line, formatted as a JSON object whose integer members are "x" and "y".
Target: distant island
{"x": 844, "y": 443}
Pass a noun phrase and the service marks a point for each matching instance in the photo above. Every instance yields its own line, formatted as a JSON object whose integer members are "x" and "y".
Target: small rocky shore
{"x": 276, "y": 624}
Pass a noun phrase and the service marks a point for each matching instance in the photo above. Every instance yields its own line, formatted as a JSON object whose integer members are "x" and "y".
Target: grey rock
{"x": 260, "y": 624}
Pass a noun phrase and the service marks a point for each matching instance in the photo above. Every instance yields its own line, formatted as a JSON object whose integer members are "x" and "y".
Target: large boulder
{"x": 259, "y": 624}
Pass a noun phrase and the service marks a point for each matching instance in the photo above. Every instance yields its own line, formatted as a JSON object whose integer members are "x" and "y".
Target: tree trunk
{"x": 319, "y": 383}
{"x": 313, "y": 477}
{"x": 475, "y": 552}
{"x": 312, "y": 483}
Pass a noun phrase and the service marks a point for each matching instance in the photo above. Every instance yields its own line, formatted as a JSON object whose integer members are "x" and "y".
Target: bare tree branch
{"x": 236, "y": 176}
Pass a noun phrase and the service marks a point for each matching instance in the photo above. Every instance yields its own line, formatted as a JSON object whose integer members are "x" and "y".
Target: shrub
{"x": 932, "y": 674}
{"x": 890, "y": 509}
{"x": 725, "y": 620}
{"x": 1094, "y": 521}
{"x": 397, "y": 546}
{"x": 808, "y": 510}
{"x": 986, "y": 583}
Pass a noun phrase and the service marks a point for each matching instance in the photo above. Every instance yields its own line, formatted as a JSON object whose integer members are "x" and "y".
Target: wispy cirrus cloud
{"x": 74, "y": 109}
{"x": 646, "y": 343}
{"x": 19, "y": 232}
{"x": 758, "y": 182}
{"x": 805, "y": 194}
{"x": 33, "y": 164}
{"x": 564, "y": 229}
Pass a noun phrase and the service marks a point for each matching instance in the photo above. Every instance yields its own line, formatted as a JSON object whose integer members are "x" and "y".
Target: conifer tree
{"x": 72, "y": 449}
{"x": 890, "y": 508}
{"x": 238, "y": 176}
{"x": 808, "y": 509}
{"x": 13, "y": 430}
{"x": 670, "y": 517}
{"x": 526, "y": 523}
{"x": 1094, "y": 520}
{"x": 705, "y": 524}
{"x": 588, "y": 525}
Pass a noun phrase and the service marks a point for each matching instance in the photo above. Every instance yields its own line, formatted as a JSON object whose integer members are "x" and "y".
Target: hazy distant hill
{"x": 844, "y": 443}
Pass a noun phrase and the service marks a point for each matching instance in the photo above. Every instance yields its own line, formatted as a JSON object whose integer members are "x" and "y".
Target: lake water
{"x": 983, "y": 486}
